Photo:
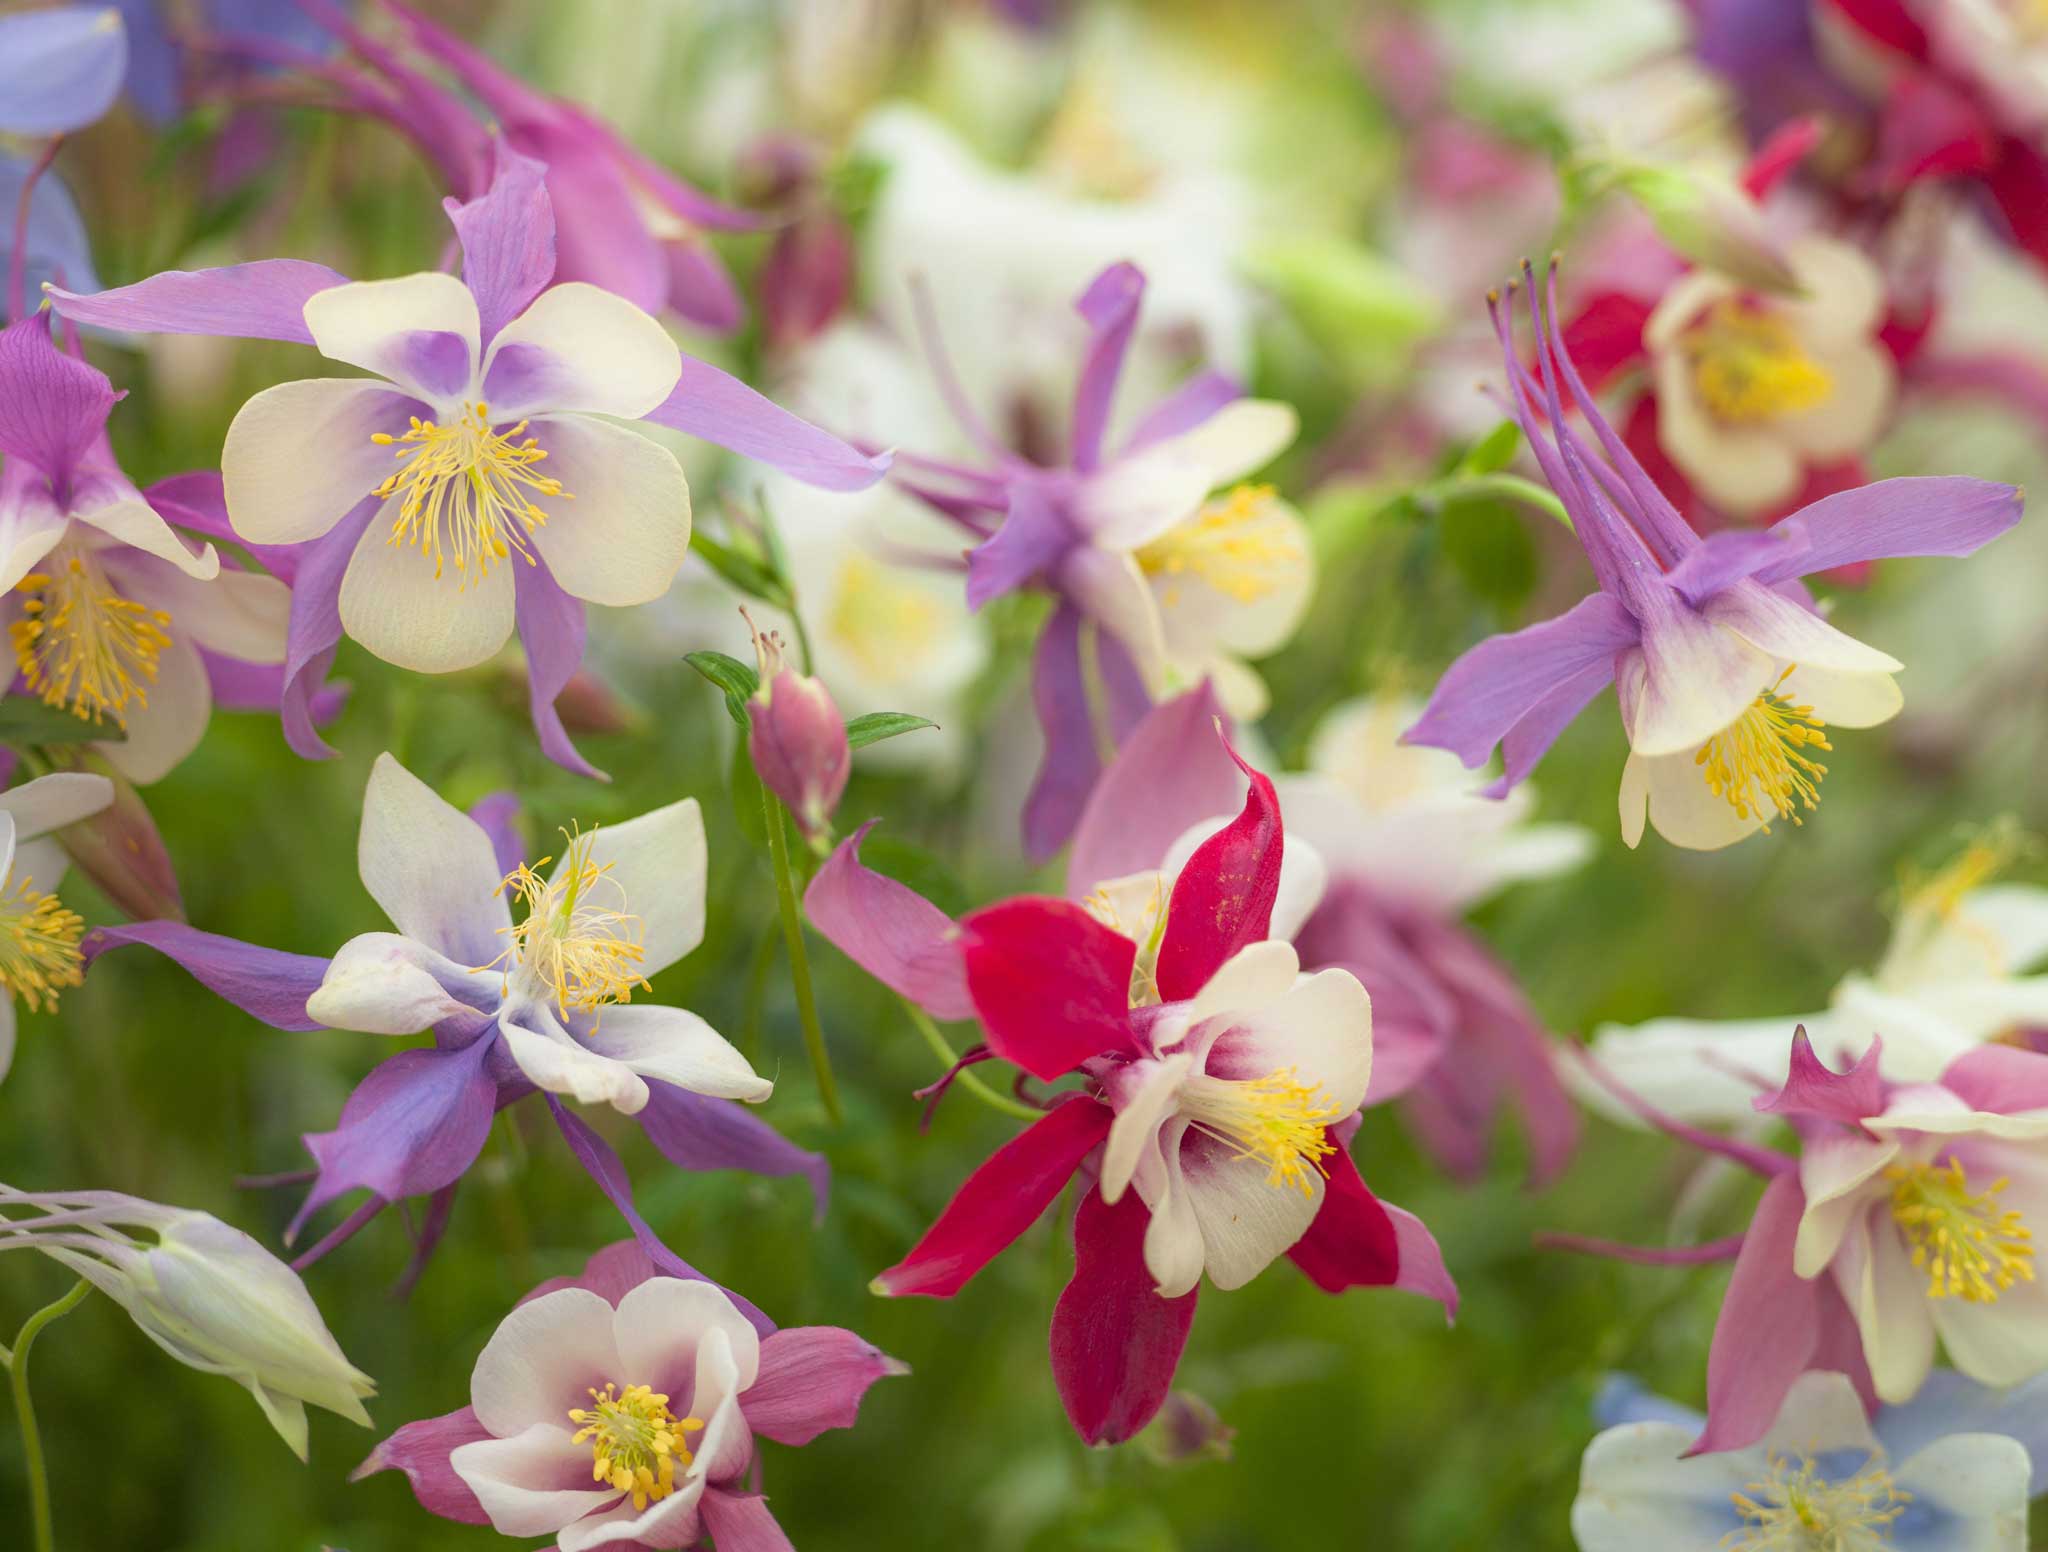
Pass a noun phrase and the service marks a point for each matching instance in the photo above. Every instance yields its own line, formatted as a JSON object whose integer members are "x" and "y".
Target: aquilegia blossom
{"x": 1728, "y": 679}
{"x": 109, "y": 613}
{"x": 1221, "y": 1089}
{"x": 1938, "y": 1477}
{"x": 620, "y": 1408}
{"x": 477, "y": 483}
{"x": 540, "y": 1003}
{"x": 1156, "y": 581}
{"x": 39, "y": 952}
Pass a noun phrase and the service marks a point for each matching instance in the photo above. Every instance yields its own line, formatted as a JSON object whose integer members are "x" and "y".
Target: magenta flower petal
{"x": 1000, "y": 1200}
{"x": 263, "y": 300}
{"x": 421, "y": 1451}
{"x": 508, "y": 240}
{"x": 1171, "y": 774}
{"x": 55, "y": 407}
{"x": 1768, "y": 1328}
{"x": 889, "y": 930}
{"x": 720, "y": 408}
{"x": 1925, "y": 515}
{"x": 813, "y": 1378}
{"x": 1110, "y": 308}
{"x": 1115, "y": 1342}
{"x": 1353, "y": 1242}
{"x": 1815, "y": 1091}
{"x": 262, "y": 982}
{"x": 1422, "y": 1261}
{"x": 741, "y": 1522}
{"x": 1998, "y": 1078}
{"x": 1223, "y": 899}
{"x": 1035, "y": 535}
{"x": 1051, "y": 984}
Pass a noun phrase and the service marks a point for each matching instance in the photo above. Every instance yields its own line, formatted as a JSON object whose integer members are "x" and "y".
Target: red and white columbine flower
{"x": 620, "y": 1408}
{"x": 1220, "y": 1088}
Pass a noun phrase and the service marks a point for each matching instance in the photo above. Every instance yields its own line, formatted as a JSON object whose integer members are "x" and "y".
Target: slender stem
{"x": 799, "y": 962}
{"x": 967, "y": 1079}
{"x": 31, "y": 1437}
{"x": 17, "y": 256}
{"x": 1511, "y": 487}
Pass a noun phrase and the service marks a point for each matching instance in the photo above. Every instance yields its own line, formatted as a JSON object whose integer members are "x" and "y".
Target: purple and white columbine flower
{"x": 39, "y": 953}
{"x": 478, "y": 487}
{"x": 1160, "y": 584}
{"x": 620, "y": 1408}
{"x": 540, "y": 1003}
{"x": 1726, "y": 674}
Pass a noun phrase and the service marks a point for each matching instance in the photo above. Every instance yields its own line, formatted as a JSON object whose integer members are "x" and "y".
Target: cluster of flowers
{"x": 1243, "y": 967}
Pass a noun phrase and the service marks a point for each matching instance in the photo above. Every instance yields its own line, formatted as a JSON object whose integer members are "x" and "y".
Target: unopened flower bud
{"x": 1186, "y": 1429}
{"x": 806, "y": 279}
{"x": 121, "y": 851}
{"x": 796, "y": 738}
{"x": 1710, "y": 221}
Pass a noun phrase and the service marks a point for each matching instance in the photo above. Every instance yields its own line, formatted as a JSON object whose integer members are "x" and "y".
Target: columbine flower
{"x": 1158, "y": 582}
{"x": 545, "y": 1001}
{"x": 1940, "y": 1478}
{"x": 1950, "y": 980}
{"x": 39, "y": 953}
{"x": 1220, "y": 1092}
{"x": 109, "y": 613}
{"x": 204, "y": 1292}
{"x": 1729, "y": 687}
{"x": 477, "y": 482}
{"x": 621, "y": 1408}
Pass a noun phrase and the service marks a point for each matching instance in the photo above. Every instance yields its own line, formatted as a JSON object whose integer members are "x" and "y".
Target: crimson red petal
{"x": 1607, "y": 336}
{"x": 1351, "y": 1243}
{"x": 1223, "y": 899}
{"x": 1051, "y": 983}
{"x": 1115, "y": 1342}
{"x": 1000, "y": 1200}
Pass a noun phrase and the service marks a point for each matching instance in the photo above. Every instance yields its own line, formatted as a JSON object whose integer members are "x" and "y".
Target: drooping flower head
{"x": 1730, "y": 683}
{"x": 39, "y": 934}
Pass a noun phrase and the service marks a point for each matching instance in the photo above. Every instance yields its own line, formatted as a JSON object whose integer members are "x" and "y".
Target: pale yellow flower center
{"x": 1795, "y": 1509}
{"x": 1240, "y": 543}
{"x": 465, "y": 492}
{"x": 1277, "y": 1119}
{"x": 885, "y": 623}
{"x": 1760, "y": 765}
{"x": 578, "y": 938}
{"x": 1969, "y": 1247}
{"x": 81, "y": 645}
{"x": 1749, "y": 365}
{"x": 636, "y": 1442}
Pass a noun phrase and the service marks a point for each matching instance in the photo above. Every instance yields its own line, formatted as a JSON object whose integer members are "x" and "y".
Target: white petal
{"x": 239, "y": 614}
{"x": 544, "y": 1359}
{"x": 1836, "y": 1174}
{"x": 1846, "y": 699}
{"x": 1199, "y": 617}
{"x": 620, "y": 533}
{"x": 1701, "y": 1070}
{"x": 138, "y": 525}
{"x": 1173, "y": 1238}
{"x": 1776, "y": 625}
{"x": 727, "y": 1445}
{"x": 431, "y": 867}
{"x": 1689, "y": 680}
{"x": 1889, "y": 1297}
{"x": 1859, "y": 402}
{"x": 1246, "y": 1221}
{"x": 298, "y": 456}
{"x": 1673, "y": 790}
{"x": 392, "y": 603}
{"x": 383, "y": 984}
{"x": 661, "y": 1326}
{"x": 521, "y": 1481}
{"x": 1638, "y": 1492}
{"x": 674, "y": 1045}
{"x": 400, "y": 329}
{"x": 1978, "y": 1483}
{"x": 1320, "y": 1029}
{"x": 1740, "y": 469}
{"x": 2015, "y": 916}
{"x": 30, "y": 526}
{"x": 553, "y": 1059}
{"x": 1844, "y": 294}
{"x": 169, "y": 727}
{"x": 1110, "y": 589}
{"x": 658, "y": 862}
{"x": 1145, "y": 1094}
{"x": 1820, "y": 1414}
{"x": 673, "y": 1518}
{"x": 1254, "y": 976}
{"x": 54, "y": 801}
{"x": 579, "y": 347}
{"x": 1136, "y": 499}
{"x": 1999, "y": 1343}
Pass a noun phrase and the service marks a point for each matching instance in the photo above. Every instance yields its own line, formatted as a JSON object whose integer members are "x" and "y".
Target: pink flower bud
{"x": 806, "y": 279}
{"x": 796, "y": 738}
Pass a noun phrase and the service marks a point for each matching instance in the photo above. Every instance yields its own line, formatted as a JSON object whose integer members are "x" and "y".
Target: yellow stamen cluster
{"x": 466, "y": 492}
{"x": 1749, "y": 365}
{"x": 577, "y": 939}
{"x": 1796, "y": 1509}
{"x": 1136, "y": 908}
{"x": 38, "y": 946}
{"x": 80, "y": 644}
{"x": 1759, "y": 766}
{"x": 1277, "y": 1119}
{"x": 635, "y": 1441}
{"x": 885, "y": 623}
{"x": 1969, "y": 1247}
{"x": 1241, "y": 544}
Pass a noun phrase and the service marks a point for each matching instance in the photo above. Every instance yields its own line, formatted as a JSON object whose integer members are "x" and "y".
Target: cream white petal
{"x": 138, "y": 525}
{"x": 1836, "y": 1174}
{"x": 1146, "y": 1093}
{"x": 430, "y": 867}
{"x": 420, "y": 331}
{"x": 172, "y": 722}
{"x": 1320, "y": 1029}
{"x": 544, "y": 1358}
{"x": 553, "y": 1059}
{"x": 393, "y": 604}
{"x": 580, "y": 347}
{"x": 1740, "y": 469}
{"x": 1246, "y": 1221}
{"x": 662, "y": 1324}
{"x": 298, "y": 457}
{"x": 239, "y": 614}
{"x": 1637, "y": 1491}
{"x": 381, "y": 983}
{"x": 51, "y": 802}
{"x": 658, "y": 863}
{"x": 620, "y": 533}
{"x": 1138, "y": 498}
{"x": 674, "y": 1045}
{"x": 1672, "y": 791}
{"x": 524, "y": 1481}
{"x": 1863, "y": 387}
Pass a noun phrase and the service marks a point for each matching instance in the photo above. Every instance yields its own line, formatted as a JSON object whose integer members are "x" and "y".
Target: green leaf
{"x": 1494, "y": 451}
{"x": 878, "y": 725}
{"x": 1489, "y": 544}
{"x": 731, "y": 675}
{"x": 744, "y": 572}
{"x": 25, "y": 720}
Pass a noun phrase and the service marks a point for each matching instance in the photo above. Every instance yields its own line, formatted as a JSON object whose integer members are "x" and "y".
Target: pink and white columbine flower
{"x": 620, "y": 1408}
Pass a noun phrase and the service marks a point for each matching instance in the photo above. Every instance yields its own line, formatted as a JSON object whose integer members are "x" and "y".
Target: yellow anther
{"x": 1796, "y": 1509}
{"x": 636, "y": 1442}
{"x": 38, "y": 946}
{"x": 578, "y": 939}
{"x": 884, "y": 622}
{"x": 1969, "y": 1247}
{"x": 1749, "y": 365}
{"x": 1759, "y": 764}
{"x": 465, "y": 492}
{"x": 1241, "y": 543}
{"x": 1276, "y": 1119}
{"x": 81, "y": 645}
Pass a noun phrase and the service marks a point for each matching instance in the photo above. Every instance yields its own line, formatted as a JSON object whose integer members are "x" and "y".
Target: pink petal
{"x": 1998, "y": 1078}
{"x": 1115, "y": 1342}
{"x": 1171, "y": 774}
{"x": 740, "y": 1522}
{"x": 1223, "y": 899}
{"x": 611, "y": 1274}
{"x": 889, "y": 930}
{"x": 1051, "y": 984}
{"x": 421, "y": 1451}
{"x": 1769, "y": 1327}
{"x": 1813, "y": 1089}
{"x": 812, "y": 1378}
{"x": 1353, "y": 1242}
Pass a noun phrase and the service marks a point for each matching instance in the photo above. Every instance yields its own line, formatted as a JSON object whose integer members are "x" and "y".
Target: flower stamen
{"x": 577, "y": 939}
{"x": 1796, "y": 1509}
{"x": 636, "y": 1442}
{"x": 38, "y": 946}
{"x": 1758, "y": 765}
{"x": 466, "y": 491}
{"x": 83, "y": 646}
{"x": 1969, "y": 1247}
{"x": 1241, "y": 544}
{"x": 1749, "y": 365}
{"x": 1276, "y": 1119}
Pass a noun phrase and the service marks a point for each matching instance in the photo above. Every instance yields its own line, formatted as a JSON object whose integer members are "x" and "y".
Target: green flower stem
{"x": 31, "y": 1438}
{"x": 1510, "y": 487}
{"x": 967, "y": 1079}
{"x": 799, "y": 962}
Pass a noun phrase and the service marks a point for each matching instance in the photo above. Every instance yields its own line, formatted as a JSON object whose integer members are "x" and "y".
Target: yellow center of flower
{"x": 1796, "y": 1509}
{"x": 1135, "y": 906}
{"x": 38, "y": 946}
{"x": 884, "y": 623}
{"x": 1749, "y": 365}
{"x": 465, "y": 492}
{"x": 1240, "y": 543}
{"x": 1969, "y": 1246}
{"x": 1277, "y": 1119}
{"x": 79, "y": 644}
{"x": 635, "y": 1441}
{"x": 1759, "y": 764}
{"x": 577, "y": 938}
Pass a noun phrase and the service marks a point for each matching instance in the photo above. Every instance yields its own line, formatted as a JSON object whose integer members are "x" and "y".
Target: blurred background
{"x": 1321, "y": 192}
